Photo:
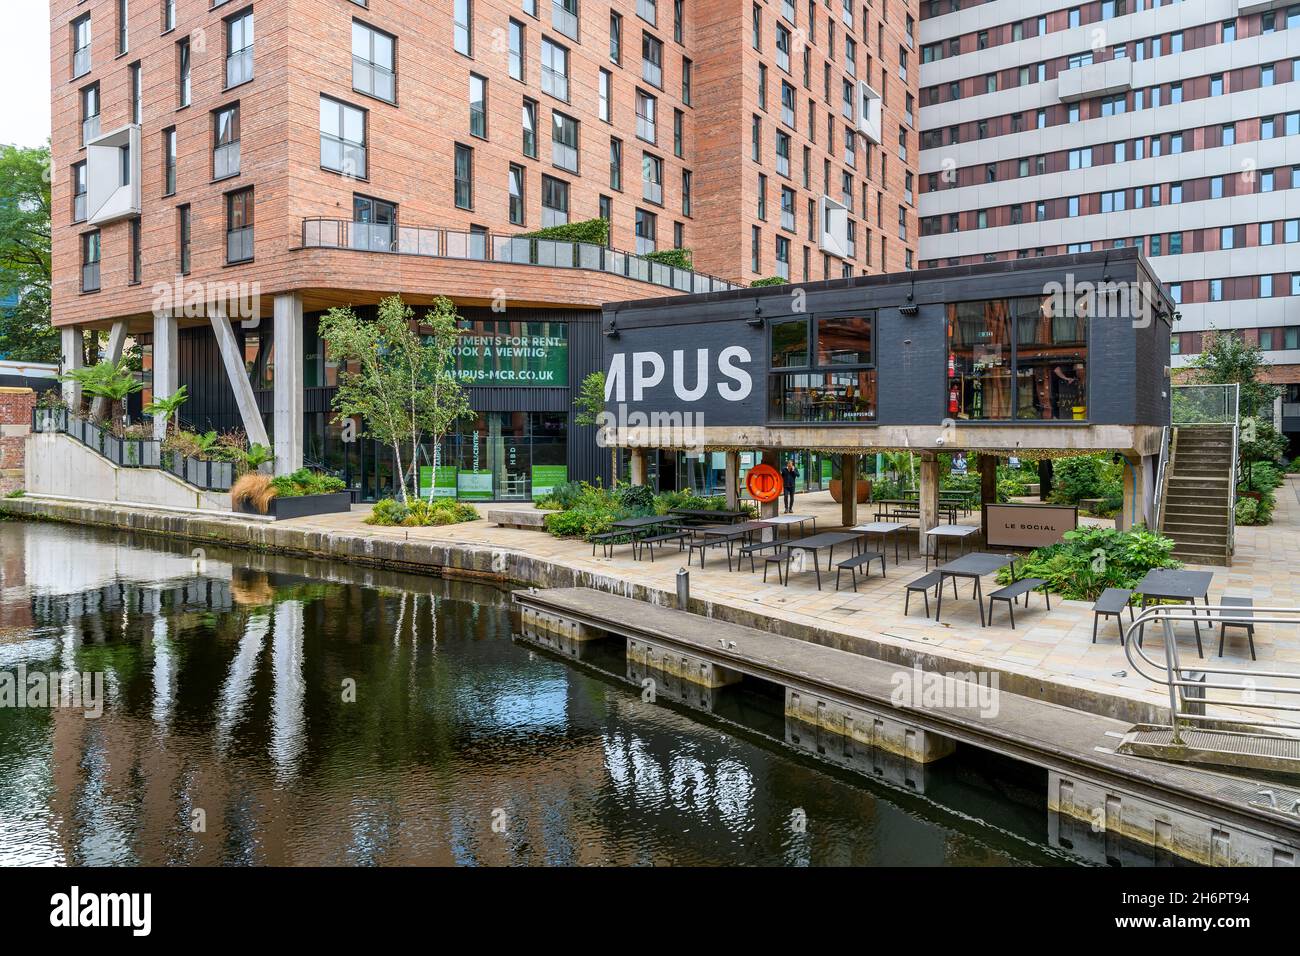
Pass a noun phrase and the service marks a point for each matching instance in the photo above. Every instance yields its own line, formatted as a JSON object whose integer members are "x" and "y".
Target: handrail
{"x": 436, "y": 242}
{"x": 1162, "y": 478}
{"x": 1175, "y": 678}
{"x": 1233, "y": 476}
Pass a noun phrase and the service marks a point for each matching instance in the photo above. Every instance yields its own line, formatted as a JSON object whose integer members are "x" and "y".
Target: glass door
{"x": 374, "y": 223}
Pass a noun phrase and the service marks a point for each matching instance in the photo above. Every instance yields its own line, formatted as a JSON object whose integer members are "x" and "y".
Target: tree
{"x": 1259, "y": 441}
{"x": 591, "y": 409}
{"x": 25, "y": 331}
{"x": 401, "y": 383}
{"x": 105, "y": 380}
{"x": 1229, "y": 359}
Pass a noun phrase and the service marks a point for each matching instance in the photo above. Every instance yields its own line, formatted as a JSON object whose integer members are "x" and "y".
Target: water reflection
{"x": 263, "y": 710}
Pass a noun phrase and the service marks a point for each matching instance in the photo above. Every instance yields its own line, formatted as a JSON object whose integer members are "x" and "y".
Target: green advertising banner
{"x": 546, "y": 477}
{"x": 513, "y": 353}
{"x": 474, "y": 485}
{"x": 444, "y": 487}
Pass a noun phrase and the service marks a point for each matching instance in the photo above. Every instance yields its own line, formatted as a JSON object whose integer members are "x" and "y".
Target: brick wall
{"x": 15, "y": 422}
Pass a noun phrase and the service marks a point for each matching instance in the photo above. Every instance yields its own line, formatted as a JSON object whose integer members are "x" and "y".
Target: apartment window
{"x": 137, "y": 263}
{"x": 225, "y": 142}
{"x": 183, "y": 72}
{"x": 783, "y": 257}
{"x": 183, "y": 238}
{"x": 462, "y": 28}
{"x": 1228, "y": 134}
{"x": 79, "y": 192}
{"x": 529, "y": 126}
{"x": 652, "y": 59}
{"x": 373, "y": 222}
{"x": 1175, "y": 194}
{"x": 783, "y": 48}
{"x": 679, "y": 134}
{"x": 686, "y": 192}
{"x": 464, "y": 177}
{"x": 606, "y": 207}
{"x": 652, "y": 179}
{"x": 1216, "y": 290}
{"x": 615, "y": 38}
{"x": 1267, "y": 75}
{"x": 555, "y": 202}
{"x": 517, "y": 40}
{"x": 755, "y": 134}
{"x": 787, "y": 209}
{"x": 564, "y": 141}
{"x": 761, "y": 210}
{"x": 1175, "y": 93}
{"x": 239, "y": 48}
{"x": 762, "y": 86}
{"x": 90, "y": 261}
{"x": 604, "y": 107}
{"x": 169, "y": 161}
{"x": 168, "y": 15}
{"x": 755, "y": 243}
{"x": 373, "y": 62}
{"x": 646, "y": 228}
{"x": 788, "y": 105}
{"x": 342, "y": 137}
{"x": 89, "y": 113}
{"x": 137, "y": 94}
{"x": 687, "y": 71}
{"x": 239, "y": 226}
{"x": 516, "y": 183}
{"x": 850, "y": 148}
{"x": 123, "y": 18}
{"x": 1265, "y": 289}
{"x": 1176, "y": 292}
{"x": 648, "y": 10}
{"x": 1226, "y": 237}
{"x": 81, "y": 46}
{"x": 1229, "y": 31}
{"x": 783, "y": 153}
{"x": 477, "y": 106}
{"x": 616, "y": 164}
{"x": 1216, "y": 187}
{"x": 646, "y": 113}
{"x": 756, "y": 27}
{"x": 679, "y": 21}
{"x": 1266, "y": 180}
{"x": 555, "y": 70}
{"x": 564, "y": 17}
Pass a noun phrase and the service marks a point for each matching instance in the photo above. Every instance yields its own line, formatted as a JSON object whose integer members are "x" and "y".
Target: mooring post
{"x": 683, "y": 589}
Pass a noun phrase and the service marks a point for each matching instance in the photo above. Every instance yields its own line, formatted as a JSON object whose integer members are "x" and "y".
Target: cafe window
{"x": 836, "y": 377}
{"x": 1022, "y": 358}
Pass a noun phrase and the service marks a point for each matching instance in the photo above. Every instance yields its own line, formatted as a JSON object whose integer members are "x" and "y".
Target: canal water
{"x": 257, "y": 709}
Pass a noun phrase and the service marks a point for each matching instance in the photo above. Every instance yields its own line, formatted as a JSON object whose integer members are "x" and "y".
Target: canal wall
{"x": 505, "y": 566}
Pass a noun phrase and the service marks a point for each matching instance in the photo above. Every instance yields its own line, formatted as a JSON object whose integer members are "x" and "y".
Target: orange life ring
{"x": 764, "y": 482}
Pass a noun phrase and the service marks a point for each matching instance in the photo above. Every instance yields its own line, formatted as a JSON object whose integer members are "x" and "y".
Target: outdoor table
{"x": 707, "y": 515}
{"x": 946, "y": 532}
{"x": 884, "y": 529}
{"x": 911, "y": 508}
{"x": 1169, "y": 584}
{"x": 973, "y": 566}
{"x": 638, "y": 523}
{"x": 814, "y": 544}
{"x": 789, "y": 521}
{"x": 726, "y": 534}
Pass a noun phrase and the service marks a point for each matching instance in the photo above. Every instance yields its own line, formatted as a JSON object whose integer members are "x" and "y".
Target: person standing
{"x": 788, "y": 476}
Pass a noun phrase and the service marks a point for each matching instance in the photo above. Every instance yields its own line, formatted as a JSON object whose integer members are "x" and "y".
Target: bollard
{"x": 683, "y": 589}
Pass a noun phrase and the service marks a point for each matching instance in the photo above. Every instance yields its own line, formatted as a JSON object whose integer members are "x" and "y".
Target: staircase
{"x": 1198, "y": 501}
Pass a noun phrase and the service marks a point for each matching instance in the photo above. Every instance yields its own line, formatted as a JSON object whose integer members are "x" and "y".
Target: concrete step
{"x": 1212, "y": 558}
{"x": 1215, "y": 541}
{"x": 1182, "y": 521}
{"x": 1196, "y": 505}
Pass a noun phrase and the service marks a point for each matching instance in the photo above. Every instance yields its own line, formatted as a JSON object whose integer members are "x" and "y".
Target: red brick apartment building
{"x": 300, "y": 154}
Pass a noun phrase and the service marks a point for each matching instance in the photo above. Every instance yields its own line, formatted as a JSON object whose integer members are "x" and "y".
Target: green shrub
{"x": 1262, "y": 477}
{"x": 16, "y": 493}
{"x": 678, "y": 258}
{"x": 638, "y": 498}
{"x": 580, "y": 522}
{"x": 768, "y": 280}
{"x": 1248, "y": 511}
{"x": 1089, "y": 560}
{"x": 595, "y": 231}
{"x": 305, "y": 482}
{"x": 421, "y": 513}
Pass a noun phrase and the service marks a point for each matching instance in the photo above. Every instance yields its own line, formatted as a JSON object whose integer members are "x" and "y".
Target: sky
{"x": 25, "y": 72}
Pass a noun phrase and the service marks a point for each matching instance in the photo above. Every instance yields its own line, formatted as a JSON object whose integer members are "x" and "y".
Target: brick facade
{"x": 15, "y": 423}
{"x": 303, "y": 50}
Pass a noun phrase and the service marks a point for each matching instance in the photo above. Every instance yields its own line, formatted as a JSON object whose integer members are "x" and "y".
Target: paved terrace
{"x": 1050, "y": 646}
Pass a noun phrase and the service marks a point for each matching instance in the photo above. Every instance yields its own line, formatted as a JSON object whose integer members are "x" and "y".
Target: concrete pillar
{"x": 988, "y": 489}
{"x": 1044, "y": 478}
{"x": 166, "y": 360}
{"x": 288, "y": 383}
{"x": 232, "y": 359}
{"x": 770, "y": 509}
{"x": 849, "y": 490}
{"x": 639, "y": 472}
{"x": 74, "y": 357}
{"x": 99, "y": 408}
{"x": 733, "y": 480}
{"x": 928, "y": 497}
{"x": 1139, "y": 494}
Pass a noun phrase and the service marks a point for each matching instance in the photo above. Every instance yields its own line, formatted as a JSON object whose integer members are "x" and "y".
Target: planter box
{"x": 304, "y": 506}
{"x": 863, "y": 488}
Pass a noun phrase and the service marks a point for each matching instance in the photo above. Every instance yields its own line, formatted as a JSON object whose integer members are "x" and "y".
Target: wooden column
{"x": 849, "y": 490}
{"x": 637, "y": 466}
{"x": 988, "y": 489}
{"x": 733, "y": 480}
{"x": 928, "y": 499}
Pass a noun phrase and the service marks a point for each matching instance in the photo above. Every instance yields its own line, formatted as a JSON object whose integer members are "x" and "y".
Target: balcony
{"x": 113, "y": 175}
{"x": 565, "y": 20}
{"x": 225, "y": 161}
{"x": 869, "y": 114}
{"x": 833, "y": 237}
{"x": 438, "y": 243}
{"x": 1095, "y": 79}
{"x": 239, "y": 67}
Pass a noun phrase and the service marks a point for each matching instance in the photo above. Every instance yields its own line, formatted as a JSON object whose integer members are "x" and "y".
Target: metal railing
{"x": 134, "y": 452}
{"x": 1204, "y": 404}
{"x": 437, "y": 243}
{"x": 1162, "y": 479}
{"x": 1189, "y": 698}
